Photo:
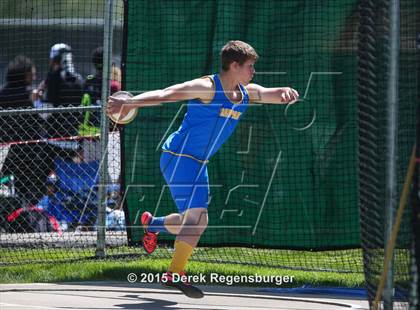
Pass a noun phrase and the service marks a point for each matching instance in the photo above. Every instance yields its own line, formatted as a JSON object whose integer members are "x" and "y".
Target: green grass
{"x": 341, "y": 260}
{"x": 249, "y": 262}
{"x": 18, "y": 256}
{"x": 119, "y": 269}
{"x": 335, "y": 261}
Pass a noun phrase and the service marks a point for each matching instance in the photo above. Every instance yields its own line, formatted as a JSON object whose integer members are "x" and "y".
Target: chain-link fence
{"x": 50, "y": 181}
{"x": 53, "y": 145}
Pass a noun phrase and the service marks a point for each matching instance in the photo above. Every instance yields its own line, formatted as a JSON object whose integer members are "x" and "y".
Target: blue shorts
{"x": 187, "y": 179}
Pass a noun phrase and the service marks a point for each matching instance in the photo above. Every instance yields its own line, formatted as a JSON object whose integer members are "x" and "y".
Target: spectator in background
{"x": 93, "y": 88}
{"x": 62, "y": 88}
{"x": 92, "y": 96}
{"x": 63, "y": 84}
{"x": 93, "y": 84}
{"x": 25, "y": 161}
{"x": 16, "y": 94}
{"x": 92, "y": 93}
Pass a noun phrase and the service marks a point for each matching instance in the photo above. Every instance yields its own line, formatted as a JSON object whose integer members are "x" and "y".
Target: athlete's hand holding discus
{"x": 122, "y": 107}
{"x": 289, "y": 95}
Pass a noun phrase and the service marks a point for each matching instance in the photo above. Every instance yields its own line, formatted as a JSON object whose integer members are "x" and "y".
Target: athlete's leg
{"x": 187, "y": 181}
{"x": 170, "y": 223}
{"x": 193, "y": 226}
{"x": 175, "y": 222}
{"x": 190, "y": 190}
{"x": 194, "y": 223}
{"x": 188, "y": 184}
{"x": 194, "y": 196}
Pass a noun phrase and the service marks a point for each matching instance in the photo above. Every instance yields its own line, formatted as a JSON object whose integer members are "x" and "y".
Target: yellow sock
{"x": 182, "y": 253}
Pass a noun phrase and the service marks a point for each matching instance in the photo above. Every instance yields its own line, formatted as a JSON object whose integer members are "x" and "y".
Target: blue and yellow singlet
{"x": 206, "y": 126}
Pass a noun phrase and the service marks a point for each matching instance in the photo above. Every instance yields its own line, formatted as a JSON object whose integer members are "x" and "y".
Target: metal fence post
{"x": 391, "y": 190}
{"x": 107, "y": 48}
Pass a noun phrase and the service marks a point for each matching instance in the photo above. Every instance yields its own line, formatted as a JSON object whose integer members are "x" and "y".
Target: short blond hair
{"x": 236, "y": 51}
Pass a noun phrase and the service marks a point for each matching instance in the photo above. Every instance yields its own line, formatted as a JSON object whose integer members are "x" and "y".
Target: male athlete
{"x": 216, "y": 103}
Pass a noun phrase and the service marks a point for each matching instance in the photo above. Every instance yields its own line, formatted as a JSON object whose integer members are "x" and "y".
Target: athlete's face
{"x": 246, "y": 71}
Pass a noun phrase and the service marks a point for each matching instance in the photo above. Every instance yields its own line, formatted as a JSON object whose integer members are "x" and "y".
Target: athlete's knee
{"x": 195, "y": 222}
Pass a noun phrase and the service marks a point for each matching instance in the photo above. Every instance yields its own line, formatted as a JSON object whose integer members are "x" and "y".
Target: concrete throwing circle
{"x": 118, "y": 295}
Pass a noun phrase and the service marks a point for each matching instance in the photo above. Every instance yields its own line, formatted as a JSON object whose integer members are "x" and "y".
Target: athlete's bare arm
{"x": 276, "y": 95}
{"x": 202, "y": 89}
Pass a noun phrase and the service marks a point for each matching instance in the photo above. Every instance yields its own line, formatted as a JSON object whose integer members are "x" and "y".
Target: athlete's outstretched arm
{"x": 275, "y": 95}
{"x": 195, "y": 89}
